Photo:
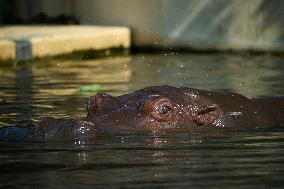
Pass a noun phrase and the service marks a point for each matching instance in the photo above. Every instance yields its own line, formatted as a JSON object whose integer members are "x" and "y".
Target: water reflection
{"x": 250, "y": 76}
{"x": 223, "y": 158}
{"x": 66, "y": 76}
{"x": 24, "y": 92}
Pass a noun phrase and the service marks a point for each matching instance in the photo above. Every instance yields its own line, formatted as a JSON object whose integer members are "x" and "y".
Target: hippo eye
{"x": 161, "y": 109}
{"x": 164, "y": 109}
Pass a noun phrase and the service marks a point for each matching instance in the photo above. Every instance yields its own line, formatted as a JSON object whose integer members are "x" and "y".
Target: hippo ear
{"x": 206, "y": 115}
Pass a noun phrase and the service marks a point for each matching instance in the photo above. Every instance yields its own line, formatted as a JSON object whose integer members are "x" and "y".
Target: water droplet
{"x": 235, "y": 115}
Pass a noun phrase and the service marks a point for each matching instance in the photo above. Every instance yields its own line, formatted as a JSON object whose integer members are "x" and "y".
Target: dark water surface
{"x": 204, "y": 158}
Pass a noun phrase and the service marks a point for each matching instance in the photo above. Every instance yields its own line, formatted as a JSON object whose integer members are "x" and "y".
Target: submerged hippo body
{"x": 160, "y": 108}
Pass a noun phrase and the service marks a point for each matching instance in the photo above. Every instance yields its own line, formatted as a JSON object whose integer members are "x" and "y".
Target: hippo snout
{"x": 51, "y": 128}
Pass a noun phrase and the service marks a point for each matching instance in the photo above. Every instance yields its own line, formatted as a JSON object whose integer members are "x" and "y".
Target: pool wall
{"x": 255, "y": 25}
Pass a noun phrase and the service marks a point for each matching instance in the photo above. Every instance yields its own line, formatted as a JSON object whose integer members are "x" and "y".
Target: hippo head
{"x": 153, "y": 108}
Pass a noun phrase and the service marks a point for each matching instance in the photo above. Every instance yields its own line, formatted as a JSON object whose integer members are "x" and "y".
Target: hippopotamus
{"x": 156, "y": 109}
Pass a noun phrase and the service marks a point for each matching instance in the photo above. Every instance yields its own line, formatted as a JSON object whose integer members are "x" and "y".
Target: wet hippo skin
{"x": 158, "y": 108}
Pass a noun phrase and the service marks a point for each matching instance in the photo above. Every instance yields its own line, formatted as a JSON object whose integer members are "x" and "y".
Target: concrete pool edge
{"x": 22, "y": 43}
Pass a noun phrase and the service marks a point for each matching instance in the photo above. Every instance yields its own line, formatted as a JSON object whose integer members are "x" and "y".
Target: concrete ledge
{"x": 7, "y": 49}
{"x": 40, "y": 41}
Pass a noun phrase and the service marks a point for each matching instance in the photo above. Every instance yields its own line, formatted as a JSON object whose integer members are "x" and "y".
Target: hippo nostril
{"x": 94, "y": 104}
{"x": 100, "y": 103}
{"x": 97, "y": 103}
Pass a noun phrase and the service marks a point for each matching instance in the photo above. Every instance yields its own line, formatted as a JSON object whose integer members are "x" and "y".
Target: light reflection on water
{"x": 228, "y": 158}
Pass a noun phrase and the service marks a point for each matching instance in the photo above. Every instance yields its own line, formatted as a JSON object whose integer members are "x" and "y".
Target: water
{"x": 211, "y": 158}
